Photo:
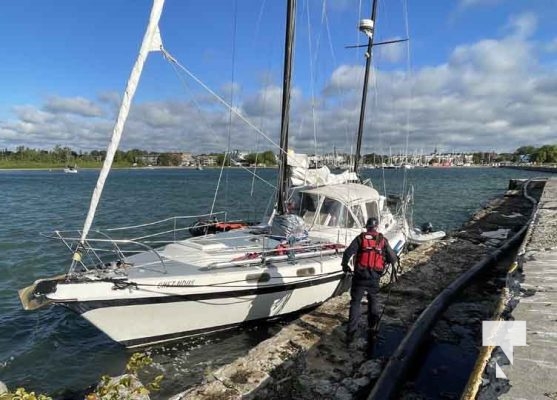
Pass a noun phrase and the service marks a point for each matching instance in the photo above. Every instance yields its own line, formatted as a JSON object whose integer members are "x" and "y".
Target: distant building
{"x": 187, "y": 159}
{"x": 206, "y": 160}
{"x": 149, "y": 159}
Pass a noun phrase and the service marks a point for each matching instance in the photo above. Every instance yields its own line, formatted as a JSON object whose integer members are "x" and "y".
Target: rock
{"x": 353, "y": 385}
{"x": 343, "y": 394}
{"x": 323, "y": 387}
{"x": 371, "y": 369}
{"x": 3, "y": 388}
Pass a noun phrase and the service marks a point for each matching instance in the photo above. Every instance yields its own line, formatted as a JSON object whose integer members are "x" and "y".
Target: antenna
{"x": 366, "y": 27}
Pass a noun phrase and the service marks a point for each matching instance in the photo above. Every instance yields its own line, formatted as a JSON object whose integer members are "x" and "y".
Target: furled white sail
{"x": 151, "y": 42}
{"x": 302, "y": 175}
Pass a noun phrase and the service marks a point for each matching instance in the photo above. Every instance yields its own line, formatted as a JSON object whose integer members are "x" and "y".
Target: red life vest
{"x": 371, "y": 251}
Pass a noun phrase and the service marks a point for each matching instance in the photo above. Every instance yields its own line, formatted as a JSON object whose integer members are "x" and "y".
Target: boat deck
{"x": 193, "y": 256}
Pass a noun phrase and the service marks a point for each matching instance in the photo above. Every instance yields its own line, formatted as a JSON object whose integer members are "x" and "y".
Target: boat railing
{"x": 174, "y": 228}
{"x": 101, "y": 248}
{"x": 100, "y": 251}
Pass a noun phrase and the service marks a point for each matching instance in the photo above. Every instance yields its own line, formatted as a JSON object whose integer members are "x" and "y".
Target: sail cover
{"x": 151, "y": 42}
{"x": 302, "y": 175}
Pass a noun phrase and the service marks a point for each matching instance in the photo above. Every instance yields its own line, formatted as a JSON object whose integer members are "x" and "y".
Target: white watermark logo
{"x": 504, "y": 334}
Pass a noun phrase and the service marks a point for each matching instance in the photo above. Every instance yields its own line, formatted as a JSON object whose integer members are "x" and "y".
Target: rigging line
{"x": 312, "y": 83}
{"x": 259, "y": 18}
{"x": 256, "y": 35}
{"x": 232, "y": 76}
{"x": 218, "y": 184}
{"x": 257, "y": 140}
{"x": 215, "y": 95}
{"x": 408, "y": 79}
{"x": 325, "y": 18}
{"x": 187, "y": 88}
{"x": 258, "y": 177}
{"x": 170, "y": 58}
{"x": 358, "y": 36}
{"x": 381, "y": 143}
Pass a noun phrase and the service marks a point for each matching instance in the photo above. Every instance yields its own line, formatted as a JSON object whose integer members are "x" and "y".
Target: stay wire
{"x": 311, "y": 79}
{"x": 232, "y": 77}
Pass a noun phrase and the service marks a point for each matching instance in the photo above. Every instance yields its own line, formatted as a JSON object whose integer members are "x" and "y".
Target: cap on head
{"x": 372, "y": 223}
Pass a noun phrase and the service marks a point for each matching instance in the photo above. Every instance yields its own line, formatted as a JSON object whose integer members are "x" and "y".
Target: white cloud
{"x": 491, "y": 94}
{"x": 73, "y": 105}
{"x": 393, "y": 53}
{"x": 345, "y": 78}
{"x": 523, "y": 26}
{"x": 473, "y": 3}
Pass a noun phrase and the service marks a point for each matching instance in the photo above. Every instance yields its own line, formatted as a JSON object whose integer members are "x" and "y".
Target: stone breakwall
{"x": 533, "y": 287}
{"x": 551, "y": 169}
{"x": 308, "y": 359}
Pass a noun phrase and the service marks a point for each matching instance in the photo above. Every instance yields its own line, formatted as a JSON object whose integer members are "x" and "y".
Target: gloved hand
{"x": 346, "y": 268}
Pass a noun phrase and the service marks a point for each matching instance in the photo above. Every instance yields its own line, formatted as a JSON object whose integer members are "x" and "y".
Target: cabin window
{"x": 329, "y": 212}
{"x": 348, "y": 220}
{"x": 306, "y": 207}
{"x": 372, "y": 210}
{"x": 333, "y": 213}
{"x": 359, "y": 215}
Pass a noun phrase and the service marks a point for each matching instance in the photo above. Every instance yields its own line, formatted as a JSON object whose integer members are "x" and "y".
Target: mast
{"x": 287, "y": 75}
{"x": 151, "y": 42}
{"x": 366, "y": 26}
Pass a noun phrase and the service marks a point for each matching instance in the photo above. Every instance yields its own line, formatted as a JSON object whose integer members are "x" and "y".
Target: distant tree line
{"x": 65, "y": 155}
{"x": 62, "y": 156}
{"x": 59, "y": 156}
{"x": 546, "y": 154}
{"x": 543, "y": 154}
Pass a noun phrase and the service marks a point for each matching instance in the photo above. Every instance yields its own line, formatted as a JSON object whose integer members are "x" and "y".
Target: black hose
{"x": 398, "y": 365}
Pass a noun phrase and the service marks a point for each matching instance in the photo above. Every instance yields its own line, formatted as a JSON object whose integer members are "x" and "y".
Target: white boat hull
{"x": 141, "y": 310}
{"x": 153, "y": 322}
{"x": 417, "y": 238}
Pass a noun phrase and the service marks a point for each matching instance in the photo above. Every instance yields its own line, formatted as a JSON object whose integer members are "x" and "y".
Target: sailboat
{"x": 150, "y": 288}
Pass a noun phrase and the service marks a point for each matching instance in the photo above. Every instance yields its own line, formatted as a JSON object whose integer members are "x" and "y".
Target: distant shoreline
{"x": 61, "y": 169}
{"x": 159, "y": 167}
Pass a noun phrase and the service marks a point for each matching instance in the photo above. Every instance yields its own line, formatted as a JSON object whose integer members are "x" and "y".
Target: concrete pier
{"x": 533, "y": 374}
{"x": 536, "y": 168}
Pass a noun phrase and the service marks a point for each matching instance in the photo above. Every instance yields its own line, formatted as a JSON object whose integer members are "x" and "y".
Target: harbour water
{"x": 55, "y": 352}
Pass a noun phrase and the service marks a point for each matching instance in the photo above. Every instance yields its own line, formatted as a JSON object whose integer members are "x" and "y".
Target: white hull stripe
{"x": 81, "y": 306}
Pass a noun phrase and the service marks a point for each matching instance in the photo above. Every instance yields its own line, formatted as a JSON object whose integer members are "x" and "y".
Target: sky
{"x": 475, "y": 75}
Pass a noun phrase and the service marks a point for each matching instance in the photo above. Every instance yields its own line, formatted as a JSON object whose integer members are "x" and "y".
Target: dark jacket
{"x": 354, "y": 248}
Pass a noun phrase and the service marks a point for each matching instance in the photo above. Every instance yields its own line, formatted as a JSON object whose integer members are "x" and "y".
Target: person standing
{"x": 373, "y": 252}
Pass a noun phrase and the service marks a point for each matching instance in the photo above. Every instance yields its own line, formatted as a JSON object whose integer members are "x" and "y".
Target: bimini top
{"x": 347, "y": 193}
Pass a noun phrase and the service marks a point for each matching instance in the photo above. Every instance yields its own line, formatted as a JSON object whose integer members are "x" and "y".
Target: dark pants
{"x": 361, "y": 286}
